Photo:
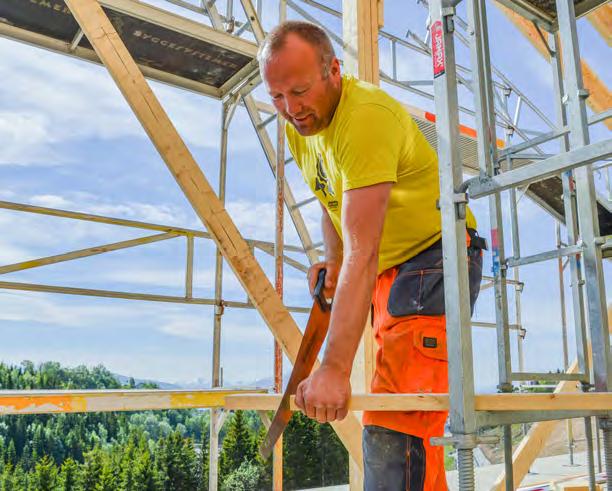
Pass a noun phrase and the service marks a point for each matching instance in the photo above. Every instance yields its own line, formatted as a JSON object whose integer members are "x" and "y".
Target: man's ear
{"x": 335, "y": 68}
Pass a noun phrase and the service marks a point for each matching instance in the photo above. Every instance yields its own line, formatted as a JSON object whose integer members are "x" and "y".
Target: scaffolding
{"x": 226, "y": 69}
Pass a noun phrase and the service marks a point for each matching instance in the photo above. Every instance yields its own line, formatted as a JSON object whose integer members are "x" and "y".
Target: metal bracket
{"x": 461, "y": 201}
{"x": 583, "y": 93}
{"x": 447, "y": 19}
{"x": 219, "y": 309}
{"x": 461, "y": 442}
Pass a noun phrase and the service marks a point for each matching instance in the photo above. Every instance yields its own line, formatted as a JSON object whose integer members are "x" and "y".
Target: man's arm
{"x": 333, "y": 257}
{"x": 324, "y": 395}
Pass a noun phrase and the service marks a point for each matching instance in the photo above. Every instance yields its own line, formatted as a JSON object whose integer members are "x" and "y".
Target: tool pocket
{"x": 431, "y": 342}
{"x": 418, "y": 288}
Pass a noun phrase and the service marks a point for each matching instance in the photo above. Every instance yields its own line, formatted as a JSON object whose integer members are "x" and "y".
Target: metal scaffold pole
{"x": 484, "y": 103}
{"x": 277, "y": 465}
{"x": 277, "y": 456}
{"x": 217, "y": 415}
{"x": 574, "y": 99}
{"x": 453, "y": 214}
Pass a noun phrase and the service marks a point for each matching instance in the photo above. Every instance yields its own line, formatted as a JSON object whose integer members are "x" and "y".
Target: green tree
{"x": 145, "y": 474}
{"x": 70, "y": 476}
{"x": 177, "y": 463}
{"x": 204, "y": 466}
{"x": 301, "y": 456}
{"x": 108, "y": 475}
{"x": 45, "y": 475}
{"x": 238, "y": 445}
{"x": 92, "y": 468}
{"x": 334, "y": 457}
{"x": 11, "y": 454}
{"x": 244, "y": 478}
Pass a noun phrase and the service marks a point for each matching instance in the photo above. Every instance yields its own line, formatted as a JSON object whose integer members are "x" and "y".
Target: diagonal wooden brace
{"x": 121, "y": 66}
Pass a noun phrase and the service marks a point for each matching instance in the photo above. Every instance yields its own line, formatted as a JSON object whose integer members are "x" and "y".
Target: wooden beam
{"x": 90, "y": 251}
{"x": 121, "y": 66}
{"x": 591, "y": 401}
{"x": 360, "y": 20}
{"x": 89, "y": 401}
{"x": 601, "y": 19}
{"x": 600, "y": 98}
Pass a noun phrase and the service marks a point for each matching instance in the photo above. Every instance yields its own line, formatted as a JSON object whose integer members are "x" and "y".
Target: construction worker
{"x": 376, "y": 177}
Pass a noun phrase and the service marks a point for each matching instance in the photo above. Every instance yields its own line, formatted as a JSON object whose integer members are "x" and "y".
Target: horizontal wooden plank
{"x": 439, "y": 402}
{"x": 86, "y": 401}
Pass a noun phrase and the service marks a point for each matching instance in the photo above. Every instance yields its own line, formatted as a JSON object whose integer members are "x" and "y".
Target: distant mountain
{"x": 124, "y": 380}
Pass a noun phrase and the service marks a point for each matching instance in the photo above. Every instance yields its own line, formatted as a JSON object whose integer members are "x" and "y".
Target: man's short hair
{"x": 311, "y": 33}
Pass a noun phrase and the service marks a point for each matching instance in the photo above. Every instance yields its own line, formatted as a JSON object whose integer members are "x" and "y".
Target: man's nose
{"x": 293, "y": 106}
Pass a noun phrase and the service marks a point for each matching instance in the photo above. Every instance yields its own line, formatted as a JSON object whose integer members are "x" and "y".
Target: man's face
{"x": 295, "y": 80}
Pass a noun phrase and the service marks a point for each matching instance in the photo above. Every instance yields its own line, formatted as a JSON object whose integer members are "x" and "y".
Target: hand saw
{"x": 314, "y": 335}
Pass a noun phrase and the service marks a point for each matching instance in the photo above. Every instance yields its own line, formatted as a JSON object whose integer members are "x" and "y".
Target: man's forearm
{"x": 351, "y": 307}
{"x": 331, "y": 239}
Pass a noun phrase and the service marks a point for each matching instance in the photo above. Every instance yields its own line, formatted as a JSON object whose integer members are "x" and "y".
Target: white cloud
{"x": 50, "y": 99}
{"x": 40, "y": 307}
{"x": 25, "y": 138}
{"x": 50, "y": 201}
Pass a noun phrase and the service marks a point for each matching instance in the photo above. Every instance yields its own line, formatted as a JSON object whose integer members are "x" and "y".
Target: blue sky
{"x": 68, "y": 140}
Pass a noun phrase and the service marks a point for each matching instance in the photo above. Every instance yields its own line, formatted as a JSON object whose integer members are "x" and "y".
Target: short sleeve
{"x": 368, "y": 146}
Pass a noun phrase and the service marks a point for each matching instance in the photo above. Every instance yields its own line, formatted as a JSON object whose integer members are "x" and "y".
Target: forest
{"x": 150, "y": 450}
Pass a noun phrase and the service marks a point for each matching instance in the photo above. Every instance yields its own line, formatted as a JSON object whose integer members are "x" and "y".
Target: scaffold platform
{"x": 167, "y": 47}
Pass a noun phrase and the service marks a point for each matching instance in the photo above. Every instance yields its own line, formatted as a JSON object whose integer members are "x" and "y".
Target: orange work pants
{"x": 411, "y": 358}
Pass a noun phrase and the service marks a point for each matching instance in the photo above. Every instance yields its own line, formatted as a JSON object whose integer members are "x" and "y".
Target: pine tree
{"x": 108, "y": 475}
{"x": 70, "y": 476}
{"x": 145, "y": 474}
{"x": 45, "y": 475}
{"x": 177, "y": 462}
{"x": 11, "y": 454}
{"x": 334, "y": 457}
{"x": 204, "y": 466}
{"x": 92, "y": 469}
{"x": 126, "y": 481}
{"x": 301, "y": 457}
{"x": 238, "y": 445}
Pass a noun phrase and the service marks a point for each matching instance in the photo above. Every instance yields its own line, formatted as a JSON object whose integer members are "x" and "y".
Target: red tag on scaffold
{"x": 437, "y": 49}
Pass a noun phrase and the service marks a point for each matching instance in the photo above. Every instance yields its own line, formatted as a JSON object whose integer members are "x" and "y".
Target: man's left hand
{"x": 324, "y": 395}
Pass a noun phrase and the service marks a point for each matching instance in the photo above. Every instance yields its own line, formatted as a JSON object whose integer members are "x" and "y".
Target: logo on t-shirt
{"x": 321, "y": 180}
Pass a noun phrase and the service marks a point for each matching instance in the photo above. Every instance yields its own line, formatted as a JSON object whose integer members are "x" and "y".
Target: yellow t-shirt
{"x": 372, "y": 139}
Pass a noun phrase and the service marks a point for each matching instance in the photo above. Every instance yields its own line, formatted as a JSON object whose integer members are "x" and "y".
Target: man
{"x": 376, "y": 177}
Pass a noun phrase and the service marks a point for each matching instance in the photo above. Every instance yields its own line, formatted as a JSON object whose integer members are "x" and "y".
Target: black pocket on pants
{"x": 418, "y": 288}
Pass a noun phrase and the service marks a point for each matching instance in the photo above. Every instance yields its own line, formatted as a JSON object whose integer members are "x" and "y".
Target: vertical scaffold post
{"x": 571, "y": 213}
{"x": 574, "y": 98}
{"x": 453, "y": 214}
{"x": 215, "y": 415}
{"x": 277, "y": 465}
{"x": 482, "y": 84}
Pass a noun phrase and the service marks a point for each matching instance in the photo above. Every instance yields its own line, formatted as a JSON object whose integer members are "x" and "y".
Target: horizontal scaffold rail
{"x": 590, "y": 401}
{"x": 93, "y": 401}
{"x": 483, "y": 186}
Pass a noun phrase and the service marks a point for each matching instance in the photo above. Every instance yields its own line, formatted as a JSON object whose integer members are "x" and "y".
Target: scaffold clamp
{"x": 219, "y": 308}
{"x": 461, "y": 201}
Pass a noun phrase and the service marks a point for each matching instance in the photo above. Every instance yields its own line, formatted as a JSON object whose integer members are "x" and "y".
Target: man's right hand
{"x": 331, "y": 277}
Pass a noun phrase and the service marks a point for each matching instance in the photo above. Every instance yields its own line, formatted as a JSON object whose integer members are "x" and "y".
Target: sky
{"x": 68, "y": 140}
